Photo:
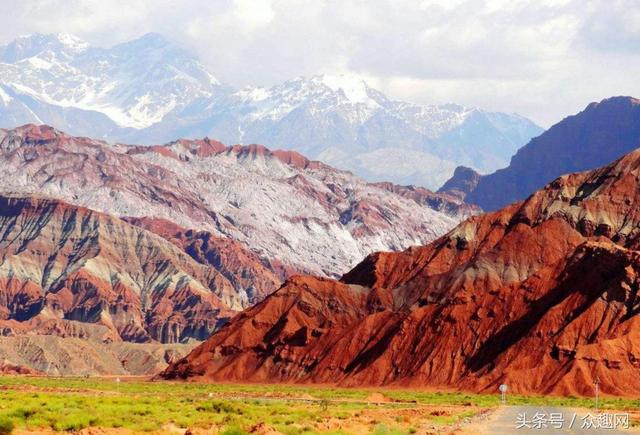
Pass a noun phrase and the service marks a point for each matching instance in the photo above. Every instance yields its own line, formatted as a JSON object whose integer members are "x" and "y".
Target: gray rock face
{"x": 278, "y": 204}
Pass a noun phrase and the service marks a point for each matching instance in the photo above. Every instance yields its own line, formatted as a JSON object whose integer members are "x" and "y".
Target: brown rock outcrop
{"x": 541, "y": 295}
{"x": 464, "y": 181}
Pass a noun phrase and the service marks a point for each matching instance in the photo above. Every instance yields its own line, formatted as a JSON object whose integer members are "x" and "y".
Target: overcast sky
{"x": 544, "y": 59}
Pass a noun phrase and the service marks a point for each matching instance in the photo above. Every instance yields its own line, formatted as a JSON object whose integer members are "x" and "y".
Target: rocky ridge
{"x": 541, "y": 295}
{"x": 279, "y": 204}
{"x": 601, "y": 133}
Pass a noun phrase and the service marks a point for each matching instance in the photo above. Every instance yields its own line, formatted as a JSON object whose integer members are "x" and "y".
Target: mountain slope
{"x": 59, "y": 262}
{"x": 471, "y": 310}
{"x": 599, "y": 134}
{"x": 279, "y": 204}
{"x": 151, "y": 91}
{"x": 253, "y": 278}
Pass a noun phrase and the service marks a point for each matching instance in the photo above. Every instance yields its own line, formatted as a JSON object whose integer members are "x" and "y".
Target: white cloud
{"x": 542, "y": 58}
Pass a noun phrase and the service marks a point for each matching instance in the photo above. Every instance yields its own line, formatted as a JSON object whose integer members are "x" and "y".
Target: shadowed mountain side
{"x": 599, "y": 134}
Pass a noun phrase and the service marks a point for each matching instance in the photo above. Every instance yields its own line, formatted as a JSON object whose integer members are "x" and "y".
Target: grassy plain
{"x": 39, "y": 404}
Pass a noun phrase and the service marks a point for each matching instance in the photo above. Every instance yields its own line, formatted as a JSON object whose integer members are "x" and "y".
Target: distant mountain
{"x": 599, "y": 134}
{"x": 132, "y": 85}
{"x": 463, "y": 181}
{"x": 150, "y": 91}
{"x": 541, "y": 295}
{"x": 278, "y": 204}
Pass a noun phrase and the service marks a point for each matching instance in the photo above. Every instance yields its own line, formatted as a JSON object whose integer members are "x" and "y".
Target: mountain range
{"x": 132, "y": 249}
{"x": 541, "y": 295}
{"x": 118, "y": 258}
{"x": 280, "y": 205}
{"x": 134, "y": 253}
{"x": 150, "y": 90}
{"x": 602, "y": 132}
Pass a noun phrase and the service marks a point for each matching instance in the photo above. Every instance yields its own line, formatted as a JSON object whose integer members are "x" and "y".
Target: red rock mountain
{"x": 63, "y": 265}
{"x": 252, "y": 277}
{"x": 541, "y": 295}
{"x": 599, "y": 134}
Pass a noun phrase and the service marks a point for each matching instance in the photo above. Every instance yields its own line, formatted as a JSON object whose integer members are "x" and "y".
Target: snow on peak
{"x": 253, "y": 94}
{"x": 354, "y": 88}
{"x": 4, "y": 97}
{"x": 27, "y": 46}
{"x": 135, "y": 84}
{"x": 72, "y": 42}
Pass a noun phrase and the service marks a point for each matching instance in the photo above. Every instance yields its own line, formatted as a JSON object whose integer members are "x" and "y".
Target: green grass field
{"x": 68, "y": 404}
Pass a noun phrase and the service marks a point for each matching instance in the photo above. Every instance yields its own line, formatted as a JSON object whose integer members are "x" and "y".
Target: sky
{"x": 544, "y": 59}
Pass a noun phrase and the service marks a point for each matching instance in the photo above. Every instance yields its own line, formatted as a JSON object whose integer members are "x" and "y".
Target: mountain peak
{"x": 150, "y": 40}
{"x": 27, "y": 46}
{"x": 617, "y": 101}
{"x": 601, "y": 133}
{"x": 352, "y": 86}
{"x": 71, "y": 41}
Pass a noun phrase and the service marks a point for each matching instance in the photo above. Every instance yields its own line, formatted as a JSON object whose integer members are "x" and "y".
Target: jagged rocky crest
{"x": 279, "y": 204}
{"x": 541, "y": 295}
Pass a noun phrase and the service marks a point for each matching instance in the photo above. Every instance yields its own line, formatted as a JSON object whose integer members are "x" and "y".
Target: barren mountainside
{"x": 61, "y": 263}
{"x": 541, "y": 295}
{"x": 79, "y": 356}
{"x": 599, "y": 134}
{"x": 280, "y": 205}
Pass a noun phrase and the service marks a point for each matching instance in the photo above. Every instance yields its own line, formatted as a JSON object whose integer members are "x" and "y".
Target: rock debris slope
{"x": 74, "y": 356}
{"x": 279, "y": 204}
{"x": 541, "y": 295}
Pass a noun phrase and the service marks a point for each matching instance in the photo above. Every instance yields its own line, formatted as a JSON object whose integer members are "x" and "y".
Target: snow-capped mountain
{"x": 151, "y": 91}
{"x": 134, "y": 84}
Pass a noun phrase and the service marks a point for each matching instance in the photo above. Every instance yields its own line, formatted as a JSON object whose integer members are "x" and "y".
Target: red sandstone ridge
{"x": 61, "y": 263}
{"x": 182, "y": 148}
{"x": 541, "y": 295}
{"x": 252, "y": 277}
